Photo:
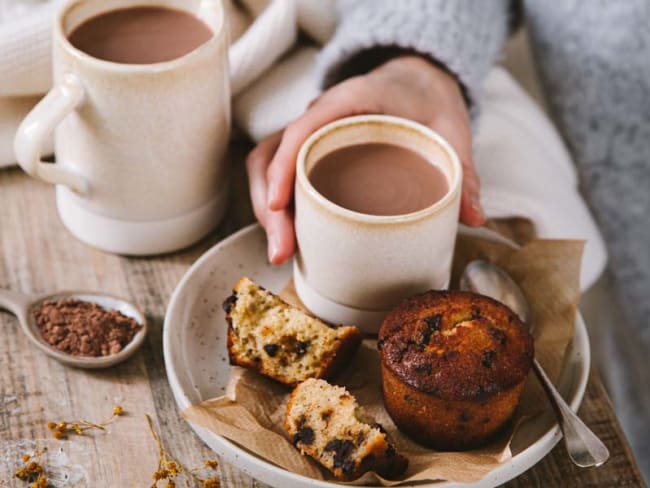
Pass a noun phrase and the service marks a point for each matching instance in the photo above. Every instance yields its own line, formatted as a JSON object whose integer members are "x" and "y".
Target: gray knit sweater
{"x": 594, "y": 60}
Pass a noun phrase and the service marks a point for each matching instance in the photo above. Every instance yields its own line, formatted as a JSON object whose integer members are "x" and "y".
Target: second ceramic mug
{"x": 353, "y": 268}
{"x": 140, "y": 147}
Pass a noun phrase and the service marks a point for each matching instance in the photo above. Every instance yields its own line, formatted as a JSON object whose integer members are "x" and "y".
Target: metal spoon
{"x": 584, "y": 448}
{"x": 23, "y": 306}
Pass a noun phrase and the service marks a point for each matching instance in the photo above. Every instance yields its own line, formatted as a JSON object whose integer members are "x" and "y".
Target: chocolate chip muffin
{"x": 324, "y": 422}
{"x": 453, "y": 367}
{"x": 280, "y": 341}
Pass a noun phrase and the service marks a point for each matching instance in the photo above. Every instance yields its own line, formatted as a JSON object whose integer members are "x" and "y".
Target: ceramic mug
{"x": 139, "y": 147}
{"x": 353, "y": 268}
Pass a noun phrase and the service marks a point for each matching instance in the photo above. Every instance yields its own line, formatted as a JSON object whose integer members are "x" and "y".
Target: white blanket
{"x": 524, "y": 166}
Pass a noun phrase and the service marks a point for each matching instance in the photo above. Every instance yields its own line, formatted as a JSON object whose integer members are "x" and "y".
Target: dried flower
{"x": 211, "y": 483}
{"x": 210, "y": 463}
{"x": 169, "y": 469}
{"x": 32, "y": 472}
{"x": 62, "y": 428}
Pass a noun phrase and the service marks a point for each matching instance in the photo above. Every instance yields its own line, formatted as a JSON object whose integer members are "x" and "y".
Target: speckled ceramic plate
{"x": 194, "y": 341}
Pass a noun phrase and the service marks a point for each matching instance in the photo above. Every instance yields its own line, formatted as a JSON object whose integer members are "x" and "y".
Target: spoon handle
{"x": 584, "y": 448}
{"x": 16, "y": 303}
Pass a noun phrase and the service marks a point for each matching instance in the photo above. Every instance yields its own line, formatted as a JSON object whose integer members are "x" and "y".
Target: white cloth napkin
{"x": 524, "y": 166}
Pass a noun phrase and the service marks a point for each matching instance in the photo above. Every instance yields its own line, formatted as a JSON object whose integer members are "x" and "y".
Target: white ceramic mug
{"x": 352, "y": 267}
{"x": 139, "y": 147}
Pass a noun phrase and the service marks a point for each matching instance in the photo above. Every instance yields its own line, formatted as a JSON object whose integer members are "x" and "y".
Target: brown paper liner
{"x": 548, "y": 272}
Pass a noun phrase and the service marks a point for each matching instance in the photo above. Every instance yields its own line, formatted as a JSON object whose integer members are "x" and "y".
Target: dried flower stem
{"x": 62, "y": 428}
{"x": 169, "y": 468}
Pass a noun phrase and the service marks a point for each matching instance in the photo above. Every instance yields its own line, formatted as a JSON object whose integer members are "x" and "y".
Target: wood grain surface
{"x": 38, "y": 255}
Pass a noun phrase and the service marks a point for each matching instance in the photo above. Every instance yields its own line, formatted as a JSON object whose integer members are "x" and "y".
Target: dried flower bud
{"x": 212, "y": 464}
{"x": 25, "y": 458}
{"x": 211, "y": 483}
{"x": 51, "y": 425}
{"x": 173, "y": 468}
{"x": 118, "y": 410}
{"x": 58, "y": 434}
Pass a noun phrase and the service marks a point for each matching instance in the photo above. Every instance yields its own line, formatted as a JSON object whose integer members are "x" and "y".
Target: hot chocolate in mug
{"x": 351, "y": 267}
{"x": 139, "y": 148}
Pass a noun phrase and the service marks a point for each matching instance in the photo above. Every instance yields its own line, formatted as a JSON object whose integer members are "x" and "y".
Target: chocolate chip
{"x": 305, "y": 435}
{"x": 342, "y": 449}
{"x": 498, "y": 335}
{"x": 347, "y": 467}
{"x": 271, "y": 349}
{"x": 451, "y": 355}
{"x": 229, "y": 302}
{"x": 325, "y": 415}
{"x": 464, "y": 416}
{"x": 488, "y": 358}
{"x": 476, "y": 313}
{"x": 423, "y": 368}
{"x": 433, "y": 325}
{"x": 301, "y": 347}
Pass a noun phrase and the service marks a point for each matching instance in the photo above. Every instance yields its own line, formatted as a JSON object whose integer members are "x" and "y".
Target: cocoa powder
{"x": 83, "y": 328}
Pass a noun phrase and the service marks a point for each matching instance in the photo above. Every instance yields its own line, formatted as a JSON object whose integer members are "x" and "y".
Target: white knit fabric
{"x": 25, "y": 49}
{"x": 270, "y": 36}
{"x": 278, "y": 97}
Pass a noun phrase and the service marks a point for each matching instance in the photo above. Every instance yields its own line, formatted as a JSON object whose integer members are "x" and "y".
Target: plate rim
{"x": 261, "y": 468}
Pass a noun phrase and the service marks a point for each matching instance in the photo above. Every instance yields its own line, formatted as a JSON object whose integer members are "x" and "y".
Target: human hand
{"x": 406, "y": 86}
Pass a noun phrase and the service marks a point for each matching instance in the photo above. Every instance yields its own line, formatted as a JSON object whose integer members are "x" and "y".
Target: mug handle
{"x": 63, "y": 98}
{"x": 268, "y": 38}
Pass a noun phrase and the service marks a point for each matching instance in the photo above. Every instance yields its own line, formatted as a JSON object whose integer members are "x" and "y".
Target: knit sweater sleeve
{"x": 465, "y": 36}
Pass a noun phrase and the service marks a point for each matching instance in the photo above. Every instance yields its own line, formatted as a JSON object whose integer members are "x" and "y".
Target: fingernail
{"x": 274, "y": 247}
{"x": 475, "y": 203}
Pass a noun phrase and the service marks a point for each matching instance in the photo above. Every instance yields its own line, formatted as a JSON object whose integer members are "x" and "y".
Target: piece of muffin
{"x": 323, "y": 422}
{"x": 453, "y": 367}
{"x": 281, "y": 341}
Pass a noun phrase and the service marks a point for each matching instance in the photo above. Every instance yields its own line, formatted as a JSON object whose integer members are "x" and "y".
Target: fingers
{"x": 257, "y": 163}
{"x": 338, "y": 102}
{"x": 471, "y": 211}
{"x": 459, "y": 136}
{"x": 278, "y": 224}
{"x": 280, "y": 234}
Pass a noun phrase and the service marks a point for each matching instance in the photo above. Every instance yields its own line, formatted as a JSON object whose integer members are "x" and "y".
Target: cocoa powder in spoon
{"x": 83, "y": 328}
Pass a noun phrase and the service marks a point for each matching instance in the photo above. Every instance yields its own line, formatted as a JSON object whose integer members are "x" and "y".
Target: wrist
{"x": 425, "y": 70}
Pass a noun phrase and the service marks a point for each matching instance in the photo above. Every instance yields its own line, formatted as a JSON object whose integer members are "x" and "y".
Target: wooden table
{"x": 38, "y": 255}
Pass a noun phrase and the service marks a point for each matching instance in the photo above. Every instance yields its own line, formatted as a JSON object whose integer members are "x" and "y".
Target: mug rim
{"x": 455, "y": 183}
{"x": 217, "y": 36}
